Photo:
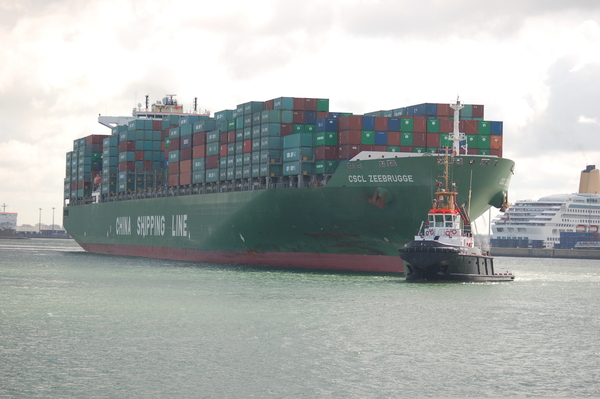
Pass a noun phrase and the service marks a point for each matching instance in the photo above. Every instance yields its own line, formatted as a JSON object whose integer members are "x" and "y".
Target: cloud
{"x": 564, "y": 124}
{"x": 440, "y": 19}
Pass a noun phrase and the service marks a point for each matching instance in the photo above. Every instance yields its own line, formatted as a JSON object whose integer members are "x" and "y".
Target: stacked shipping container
{"x": 282, "y": 137}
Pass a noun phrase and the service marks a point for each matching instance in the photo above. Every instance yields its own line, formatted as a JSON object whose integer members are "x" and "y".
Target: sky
{"x": 533, "y": 64}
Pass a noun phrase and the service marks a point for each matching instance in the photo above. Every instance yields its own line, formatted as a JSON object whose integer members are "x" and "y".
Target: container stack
{"x": 279, "y": 138}
{"x": 84, "y": 167}
{"x": 140, "y": 159}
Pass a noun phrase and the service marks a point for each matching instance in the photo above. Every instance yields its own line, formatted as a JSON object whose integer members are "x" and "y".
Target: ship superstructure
{"x": 539, "y": 223}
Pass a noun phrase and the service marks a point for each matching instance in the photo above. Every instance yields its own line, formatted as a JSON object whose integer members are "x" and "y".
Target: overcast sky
{"x": 534, "y": 65}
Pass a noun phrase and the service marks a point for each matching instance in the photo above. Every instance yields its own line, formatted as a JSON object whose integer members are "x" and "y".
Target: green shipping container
{"x": 323, "y": 104}
{"x": 270, "y": 170}
{"x": 298, "y": 153}
{"x": 299, "y": 128}
{"x": 472, "y": 141}
{"x": 407, "y": 124}
{"x": 484, "y": 127}
{"x": 393, "y": 148}
{"x": 211, "y": 149}
{"x": 419, "y": 150}
{"x": 483, "y": 142}
{"x": 368, "y": 137}
{"x": 326, "y": 138}
{"x": 198, "y": 177}
{"x": 297, "y": 168}
{"x": 212, "y": 175}
{"x": 298, "y": 140}
{"x": 406, "y": 138}
{"x": 326, "y": 166}
{"x": 433, "y": 125}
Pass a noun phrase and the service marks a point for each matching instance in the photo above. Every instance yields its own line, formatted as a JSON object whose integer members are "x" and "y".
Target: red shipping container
{"x": 173, "y": 168}
{"x": 322, "y": 114}
{"x": 139, "y": 155}
{"x": 185, "y": 178}
{"x": 286, "y": 129}
{"x": 223, "y": 150}
{"x": 348, "y": 151}
{"x": 419, "y": 139}
{"x": 323, "y": 152}
{"x": 173, "y": 180}
{"x": 147, "y": 165}
{"x": 298, "y": 116}
{"x": 477, "y": 111}
{"x": 224, "y": 138}
{"x": 95, "y": 139}
{"x": 198, "y": 151}
{"x": 496, "y": 152}
{"x": 185, "y": 153}
{"x": 446, "y": 125}
{"x": 185, "y": 166}
{"x": 299, "y": 104}
{"x": 174, "y": 143}
{"x": 164, "y": 134}
{"x": 444, "y": 110}
{"x": 231, "y": 136}
{"x": 350, "y": 122}
{"x": 378, "y": 148}
{"x": 310, "y": 104}
{"x": 199, "y": 138}
{"x": 350, "y": 137}
{"x": 127, "y": 166}
{"x": 126, "y": 146}
{"x": 156, "y": 125}
{"x": 394, "y": 138}
{"x": 469, "y": 127}
{"x": 404, "y": 148}
{"x": 80, "y": 185}
{"x": 212, "y": 162}
{"x": 433, "y": 140}
{"x": 269, "y": 105}
{"x": 74, "y": 185}
{"x": 381, "y": 123}
{"x": 496, "y": 142}
{"x": 247, "y": 146}
{"x": 419, "y": 124}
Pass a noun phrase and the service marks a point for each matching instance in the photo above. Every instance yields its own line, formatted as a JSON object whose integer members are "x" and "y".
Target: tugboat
{"x": 444, "y": 248}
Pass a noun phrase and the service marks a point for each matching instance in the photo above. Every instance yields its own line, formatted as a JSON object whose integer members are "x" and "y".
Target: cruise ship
{"x": 539, "y": 224}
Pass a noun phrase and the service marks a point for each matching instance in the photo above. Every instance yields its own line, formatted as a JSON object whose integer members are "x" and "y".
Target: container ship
{"x": 278, "y": 183}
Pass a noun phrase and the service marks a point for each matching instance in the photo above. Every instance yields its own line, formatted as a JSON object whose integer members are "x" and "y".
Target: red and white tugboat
{"x": 444, "y": 249}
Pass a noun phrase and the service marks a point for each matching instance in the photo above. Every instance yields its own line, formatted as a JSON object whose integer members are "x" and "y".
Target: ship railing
{"x": 250, "y": 184}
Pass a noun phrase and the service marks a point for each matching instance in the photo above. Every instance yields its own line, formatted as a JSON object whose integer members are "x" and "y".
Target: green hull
{"x": 358, "y": 221}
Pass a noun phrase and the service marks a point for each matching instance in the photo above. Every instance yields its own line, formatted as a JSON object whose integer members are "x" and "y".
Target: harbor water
{"x": 80, "y": 325}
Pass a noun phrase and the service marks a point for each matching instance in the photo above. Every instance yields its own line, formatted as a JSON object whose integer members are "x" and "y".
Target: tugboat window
{"x": 439, "y": 220}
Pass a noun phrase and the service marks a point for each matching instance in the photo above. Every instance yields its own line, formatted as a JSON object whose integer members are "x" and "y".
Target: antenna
{"x": 147, "y": 100}
{"x": 4, "y": 207}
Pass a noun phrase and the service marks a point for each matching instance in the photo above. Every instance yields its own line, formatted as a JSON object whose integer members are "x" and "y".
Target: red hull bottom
{"x": 341, "y": 262}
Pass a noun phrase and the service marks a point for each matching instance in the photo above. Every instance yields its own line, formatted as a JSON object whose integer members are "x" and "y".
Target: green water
{"x": 79, "y": 325}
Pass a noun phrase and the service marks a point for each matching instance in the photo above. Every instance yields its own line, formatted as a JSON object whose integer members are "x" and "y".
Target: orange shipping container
{"x": 496, "y": 142}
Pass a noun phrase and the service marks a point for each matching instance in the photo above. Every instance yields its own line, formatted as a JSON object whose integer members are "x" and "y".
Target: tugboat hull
{"x": 436, "y": 261}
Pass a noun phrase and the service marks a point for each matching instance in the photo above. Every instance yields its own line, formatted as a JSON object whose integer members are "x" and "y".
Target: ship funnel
{"x": 589, "y": 183}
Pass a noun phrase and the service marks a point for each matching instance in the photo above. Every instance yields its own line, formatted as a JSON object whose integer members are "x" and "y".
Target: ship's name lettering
{"x": 123, "y": 226}
{"x": 179, "y": 225}
{"x": 151, "y": 225}
{"x": 380, "y": 179}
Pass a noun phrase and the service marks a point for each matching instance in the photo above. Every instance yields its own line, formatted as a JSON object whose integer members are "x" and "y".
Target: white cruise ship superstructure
{"x": 538, "y": 223}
